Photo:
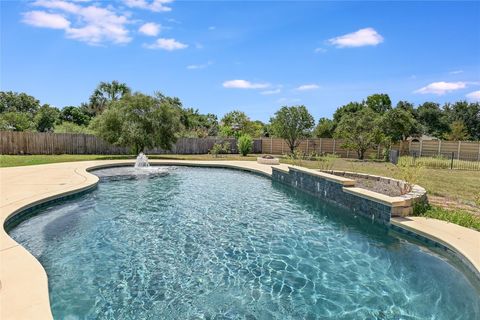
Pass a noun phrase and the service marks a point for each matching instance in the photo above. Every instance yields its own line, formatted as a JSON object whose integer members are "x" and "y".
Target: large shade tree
{"x": 324, "y": 128}
{"x": 379, "y": 102}
{"x": 139, "y": 121}
{"x": 46, "y": 118}
{"x": 433, "y": 120}
{"x": 292, "y": 124}
{"x": 17, "y": 111}
{"x": 398, "y": 124}
{"x": 360, "y": 131}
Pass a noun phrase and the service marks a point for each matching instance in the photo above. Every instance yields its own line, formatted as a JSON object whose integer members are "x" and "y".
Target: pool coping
{"x": 23, "y": 281}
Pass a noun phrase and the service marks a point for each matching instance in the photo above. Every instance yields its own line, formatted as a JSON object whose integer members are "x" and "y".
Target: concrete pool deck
{"x": 23, "y": 281}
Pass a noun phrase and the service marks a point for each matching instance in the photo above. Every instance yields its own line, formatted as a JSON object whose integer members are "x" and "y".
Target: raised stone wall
{"x": 342, "y": 191}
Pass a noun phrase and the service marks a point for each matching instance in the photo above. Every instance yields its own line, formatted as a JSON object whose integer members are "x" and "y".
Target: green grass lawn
{"x": 459, "y": 189}
{"x": 14, "y": 161}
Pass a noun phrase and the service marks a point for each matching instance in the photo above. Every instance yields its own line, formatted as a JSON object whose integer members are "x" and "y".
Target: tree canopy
{"x": 359, "y": 131}
{"x": 292, "y": 124}
{"x": 139, "y": 121}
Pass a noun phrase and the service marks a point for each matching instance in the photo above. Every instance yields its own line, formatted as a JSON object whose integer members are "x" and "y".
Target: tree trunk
{"x": 361, "y": 154}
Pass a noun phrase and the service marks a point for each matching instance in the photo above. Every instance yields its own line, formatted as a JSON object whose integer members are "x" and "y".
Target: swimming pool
{"x": 217, "y": 243}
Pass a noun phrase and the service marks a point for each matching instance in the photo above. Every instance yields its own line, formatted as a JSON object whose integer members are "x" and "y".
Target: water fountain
{"x": 142, "y": 161}
{"x": 140, "y": 170}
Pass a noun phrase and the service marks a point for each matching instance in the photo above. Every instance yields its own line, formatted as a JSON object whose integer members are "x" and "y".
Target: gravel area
{"x": 378, "y": 186}
{"x": 383, "y": 186}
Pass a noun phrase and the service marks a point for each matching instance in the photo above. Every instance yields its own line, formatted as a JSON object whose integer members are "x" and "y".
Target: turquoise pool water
{"x": 204, "y": 243}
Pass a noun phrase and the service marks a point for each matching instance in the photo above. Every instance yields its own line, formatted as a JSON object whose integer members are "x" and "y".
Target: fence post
{"x": 321, "y": 146}
{"x": 478, "y": 150}
{"x": 307, "y": 146}
{"x": 282, "y": 146}
{"x": 378, "y": 151}
{"x": 271, "y": 145}
{"x": 439, "y": 147}
{"x": 458, "y": 151}
{"x": 334, "y": 142}
{"x": 421, "y": 147}
{"x": 451, "y": 161}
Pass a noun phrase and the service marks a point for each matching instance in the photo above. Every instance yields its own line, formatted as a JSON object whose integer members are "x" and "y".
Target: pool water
{"x": 202, "y": 243}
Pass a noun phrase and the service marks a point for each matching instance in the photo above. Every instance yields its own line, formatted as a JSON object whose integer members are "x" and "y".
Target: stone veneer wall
{"x": 416, "y": 196}
{"x": 329, "y": 190}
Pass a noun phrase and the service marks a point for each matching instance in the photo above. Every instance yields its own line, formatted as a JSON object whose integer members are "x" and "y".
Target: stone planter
{"x": 273, "y": 161}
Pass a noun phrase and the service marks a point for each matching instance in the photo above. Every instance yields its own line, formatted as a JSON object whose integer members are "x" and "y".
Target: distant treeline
{"x": 122, "y": 117}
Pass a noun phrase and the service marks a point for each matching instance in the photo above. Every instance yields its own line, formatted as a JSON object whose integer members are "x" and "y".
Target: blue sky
{"x": 254, "y": 56}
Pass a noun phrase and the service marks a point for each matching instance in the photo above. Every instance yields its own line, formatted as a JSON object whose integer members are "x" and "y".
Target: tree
{"x": 379, "y": 103}
{"x": 324, "y": 128}
{"x": 359, "y": 130}
{"x": 432, "y": 119}
{"x": 105, "y": 93}
{"x": 46, "y": 118}
{"x": 75, "y": 115}
{"x": 16, "y": 121}
{"x": 237, "y": 123}
{"x": 70, "y": 127}
{"x": 398, "y": 124}
{"x": 139, "y": 121}
{"x": 198, "y": 125}
{"x": 18, "y": 102}
{"x": 407, "y": 106}
{"x": 349, "y": 108}
{"x": 458, "y": 132}
{"x": 468, "y": 114}
{"x": 292, "y": 124}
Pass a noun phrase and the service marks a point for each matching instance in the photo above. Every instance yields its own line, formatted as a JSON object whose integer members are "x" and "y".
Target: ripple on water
{"x": 201, "y": 243}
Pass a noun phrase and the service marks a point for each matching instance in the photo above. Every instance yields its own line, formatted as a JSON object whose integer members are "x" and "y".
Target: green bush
{"x": 70, "y": 127}
{"x": 245, "y": 145}
{"x": 460, "y": 217}
{"x": 220, "y": 148}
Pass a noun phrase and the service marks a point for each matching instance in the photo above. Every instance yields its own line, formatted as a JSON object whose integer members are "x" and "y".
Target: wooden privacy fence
{"x": 318, "y": 146}
{"x": 12, "y": 142}
{"x": 462, "y": 150}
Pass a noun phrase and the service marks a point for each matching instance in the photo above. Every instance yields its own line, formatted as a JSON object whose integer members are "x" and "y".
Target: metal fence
{"x": 445, "y": 160}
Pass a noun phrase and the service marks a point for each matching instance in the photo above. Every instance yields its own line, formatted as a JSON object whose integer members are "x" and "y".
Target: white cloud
{"x": 150, "y": 29}
{"x": 474, "y": 96}
{"x": 211, "y": 28}
{"x": 320, "y": 50}
{"x": 166, "y": 44}
{"x": 456, "y": 72}
{"x": 306, "y": 87}
{"x": 287, "y": 100}
{"x": 154, "y": 5}
{"x": 91, "y": 24}
{"x": 441, "y": 87}
{"x": 244, "y": 84}
{"x": 45, "y": 20}
{"x": 269, "y": 92}
{"x": 199, "y": 66}
{"x": 360, "y": 38}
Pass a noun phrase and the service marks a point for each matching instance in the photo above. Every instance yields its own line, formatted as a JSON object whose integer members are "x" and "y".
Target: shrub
{"x": 244, "y": 144}
{"x": 410, "y": 173}
{"x": 326, "y": 162}
{"x": 220, "y": 148}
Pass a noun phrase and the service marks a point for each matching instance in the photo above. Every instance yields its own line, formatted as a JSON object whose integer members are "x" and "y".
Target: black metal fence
{"x": 446, "y": 160}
